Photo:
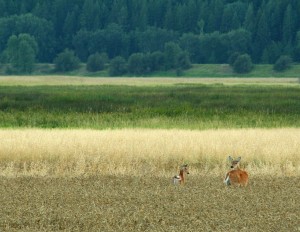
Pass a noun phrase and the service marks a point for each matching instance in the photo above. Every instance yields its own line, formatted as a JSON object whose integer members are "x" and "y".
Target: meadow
{"x": 87, "y": 154}
{"x": 158, "y": 105}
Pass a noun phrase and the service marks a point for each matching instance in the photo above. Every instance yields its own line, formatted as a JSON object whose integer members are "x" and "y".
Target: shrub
{"x": 283, "y": 63}
{"x": 137, "y": 64}
{"x": 95, "y": 63}
{"x": 66, "y": 61}
{"x": 183, "y": 61}
{"x": 157, "y": 60}
{"x": 117, "y": 66}
{"x": 243, "y": 64}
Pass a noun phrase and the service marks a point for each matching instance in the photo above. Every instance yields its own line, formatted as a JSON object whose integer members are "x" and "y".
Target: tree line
{"x": 199, "y": 31}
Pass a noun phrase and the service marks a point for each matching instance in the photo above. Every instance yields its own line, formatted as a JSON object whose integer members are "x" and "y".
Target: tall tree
{"x": 21, "y": 52}
{"x": 249, "y": 19}
{"x": 288, "y": 26}
{"x": 262, "y": 36}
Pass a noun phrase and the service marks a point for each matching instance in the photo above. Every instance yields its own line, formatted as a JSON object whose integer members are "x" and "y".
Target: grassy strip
{"x": 197, "y": 70}
{"x": 177, "y": 106}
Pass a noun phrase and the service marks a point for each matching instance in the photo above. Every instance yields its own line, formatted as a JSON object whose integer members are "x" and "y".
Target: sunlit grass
{"x": 146, "y": 152}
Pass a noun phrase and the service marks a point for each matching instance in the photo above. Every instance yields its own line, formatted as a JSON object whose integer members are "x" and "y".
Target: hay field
{"x": 120, "y": 180}
{"x": 61, "y": 152}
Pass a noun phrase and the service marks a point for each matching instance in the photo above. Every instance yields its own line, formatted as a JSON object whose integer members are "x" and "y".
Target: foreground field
{"x": 146, "y": 152}
{"x": 124, "y": 203}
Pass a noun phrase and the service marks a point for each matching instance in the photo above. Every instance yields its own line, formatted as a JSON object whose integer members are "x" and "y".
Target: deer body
{"x": 236, "y": 176}
{"x": 181, "y": 177}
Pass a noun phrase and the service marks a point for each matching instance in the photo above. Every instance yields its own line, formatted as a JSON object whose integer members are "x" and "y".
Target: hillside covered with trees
{"x": 174, "y": 33}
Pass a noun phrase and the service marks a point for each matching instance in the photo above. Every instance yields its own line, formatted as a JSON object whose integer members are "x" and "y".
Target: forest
{"x": 202, "y": 31}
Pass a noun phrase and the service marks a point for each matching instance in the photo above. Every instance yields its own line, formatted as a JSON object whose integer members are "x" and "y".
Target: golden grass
{"x": 120, "y": 180}
{"x": 136, "y": 81}
{"x": 142, "y": 152}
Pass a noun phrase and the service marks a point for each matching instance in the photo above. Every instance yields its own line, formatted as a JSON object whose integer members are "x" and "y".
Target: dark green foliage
{"x": 137, "y": 64}
{"x": 242, "y": 64}
{"x": 232, "y": 58}
{"x": 157, "y": 60}
{"x": 118, "y": 66}
{"x": 283, "y": 63}
{"x": 183, "y": 61}
{"x": 66, "y": 61}
{"x": 21, "y": 52}
{"x": 96, "y": 62}
{"x": 208, "y": 30}
{"x": 39, "y": 28}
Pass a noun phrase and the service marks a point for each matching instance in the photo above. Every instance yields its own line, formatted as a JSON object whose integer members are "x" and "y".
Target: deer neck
{"x": 181, "y": 174}
{"x": 237, "y": 168}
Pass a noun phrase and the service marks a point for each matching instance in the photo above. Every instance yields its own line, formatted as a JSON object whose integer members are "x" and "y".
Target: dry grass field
{"x": 143, "y": 152}
{"x": 120, "y": 180}
{"x": 137, "y": 81}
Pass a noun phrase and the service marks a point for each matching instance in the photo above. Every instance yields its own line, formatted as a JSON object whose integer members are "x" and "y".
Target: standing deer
{"x": 184, "y": 169}
{"x": 236, "y": 176}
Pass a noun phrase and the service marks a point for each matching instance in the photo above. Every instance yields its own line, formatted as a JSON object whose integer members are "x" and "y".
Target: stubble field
{"x": 124, "y": 203}
{"x": 71, "y": 176}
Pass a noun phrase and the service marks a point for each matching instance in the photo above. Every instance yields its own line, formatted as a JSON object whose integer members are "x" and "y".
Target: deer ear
{"x": 229, "y": 159}
{"x": 239, "y": 159}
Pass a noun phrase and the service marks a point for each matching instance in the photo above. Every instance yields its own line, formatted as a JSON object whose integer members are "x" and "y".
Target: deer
{"x": 179, "y": 179}
{"x": 236, "y": 176}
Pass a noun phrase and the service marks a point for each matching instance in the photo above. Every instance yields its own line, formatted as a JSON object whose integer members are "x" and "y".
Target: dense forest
{"x": 208, "y": 31}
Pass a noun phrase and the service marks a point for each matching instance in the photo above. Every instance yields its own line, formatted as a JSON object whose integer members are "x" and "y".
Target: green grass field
{"x": 98, "y": 154}
{"x": 186, "y": 105}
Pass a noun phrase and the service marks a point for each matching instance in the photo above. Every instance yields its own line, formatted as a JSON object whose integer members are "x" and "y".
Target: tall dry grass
{"x": 139, "y": 152}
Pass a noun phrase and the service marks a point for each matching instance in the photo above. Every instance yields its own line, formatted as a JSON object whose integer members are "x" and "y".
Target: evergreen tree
{"x": 249, "y": 19}
{"x": 288, "y": 25}
{"x": 262, "y": 36}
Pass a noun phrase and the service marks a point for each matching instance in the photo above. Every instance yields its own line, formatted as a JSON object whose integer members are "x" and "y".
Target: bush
{"x": 232, "y": 58}
{"x": 283, "y": 63}
{"x": 95, "y": 63}
{"x": 243, "y": 64}
{"x": 117, "y": 66}
{"x": 157, "y": 60}
{"x": 137, "y": 64}
{"x": 66, "y": 61}
{"x": 183, "y": 61}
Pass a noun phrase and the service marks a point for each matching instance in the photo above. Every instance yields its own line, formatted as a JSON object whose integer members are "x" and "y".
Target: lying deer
{"x": 236, "y": 176}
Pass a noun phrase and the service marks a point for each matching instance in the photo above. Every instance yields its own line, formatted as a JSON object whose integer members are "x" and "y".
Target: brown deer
{"x": 236, "y": 176}
{"x": 184, "y": 169}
